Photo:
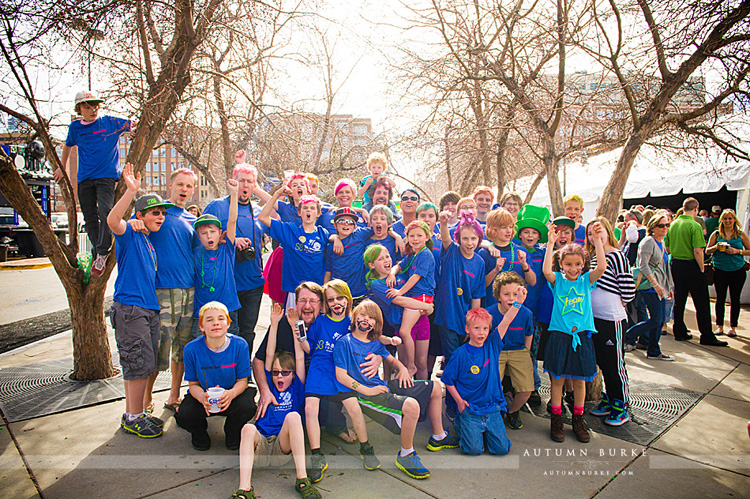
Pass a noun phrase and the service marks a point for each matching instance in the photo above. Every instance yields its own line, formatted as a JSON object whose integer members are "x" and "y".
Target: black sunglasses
{"x": 409, "y": 198}
{"x": 662, "y": 226}
{"x": 285, "y": 372}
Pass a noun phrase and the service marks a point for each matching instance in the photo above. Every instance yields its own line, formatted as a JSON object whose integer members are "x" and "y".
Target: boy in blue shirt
{"x": 278, "y": 435}
{"x": 214, "y": 261}
{"x": 472, "y": 377}
{"x": 135, "y": 311}
{"x": 515, "y": 358}
{"x": 98, "y": 170}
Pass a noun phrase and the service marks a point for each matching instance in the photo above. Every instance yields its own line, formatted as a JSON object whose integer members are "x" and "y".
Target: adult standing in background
{"x": 712, "y": 222}
{"x": 685, "y": 242}
{"x": 729, "y": 263}
{"x": 409, "y": 202}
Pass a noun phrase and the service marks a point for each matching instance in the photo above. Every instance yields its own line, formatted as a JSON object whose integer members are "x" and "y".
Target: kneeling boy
{"x": 398, "y": 405}
{"x": 278, "y": 433}
{"x": 472, "y": 377}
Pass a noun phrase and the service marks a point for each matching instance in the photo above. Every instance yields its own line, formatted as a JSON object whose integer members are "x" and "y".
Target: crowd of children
{"x": 490, "y": 289}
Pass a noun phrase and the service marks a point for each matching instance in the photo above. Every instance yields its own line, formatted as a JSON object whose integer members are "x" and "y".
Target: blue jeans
{"x": 651, "y": 328}
{"x": 450, "y": 340}
{"x": 474, "y": 430}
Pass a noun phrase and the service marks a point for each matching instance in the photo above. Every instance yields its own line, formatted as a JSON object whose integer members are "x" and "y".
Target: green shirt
{"x": 711, "y": 225}
{"x": 684, "y": 235}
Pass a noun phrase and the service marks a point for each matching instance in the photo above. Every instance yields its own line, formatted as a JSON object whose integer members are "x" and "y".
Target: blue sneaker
{"x": 604, "y": 408}
{"x": 619, "y": 414}
{"x": 448, "y": 442}
{"x": 412, "y": 466}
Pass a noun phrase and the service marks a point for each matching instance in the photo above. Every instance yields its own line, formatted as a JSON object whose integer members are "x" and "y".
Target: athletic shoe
{"x": 412, "y": 466}
{"x": 200, "y": 440}
{"x": 514, "y": 421}
{"x": 619, "y": 415}
{"x": 244, "y": 494}
{"x": 661, "y": 356}
{"x": 447, "y": 442}
{"x": 318, "y": 465}
{"x": 556, "y": 430}
{"x": 306, "y": 489}
{"x": 367, "y": 453}
{"x": 579, "y": 428}
{"x": 141, "y": 427}
{"x": 604, "y": 407}
{"x": 158, "y": 422}
{"x": 535, "y": 398}
{"x": 100, "y": 263}
{"x": 629, "y": 348}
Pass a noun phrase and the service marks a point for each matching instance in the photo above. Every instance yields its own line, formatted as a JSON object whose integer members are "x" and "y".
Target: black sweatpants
{"x": 608, "y": 345}
{"x": 192, "y": 415}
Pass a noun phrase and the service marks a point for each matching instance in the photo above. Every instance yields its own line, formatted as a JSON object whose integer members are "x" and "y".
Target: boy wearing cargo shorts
{"x": 135, "y": 312}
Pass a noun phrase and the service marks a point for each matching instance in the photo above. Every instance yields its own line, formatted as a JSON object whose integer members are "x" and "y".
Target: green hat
{"x": 533, "y": 217}
{"x": 147, "y": 201}
{"x": 563, "y": 220}
{"x": 207, "y": 219}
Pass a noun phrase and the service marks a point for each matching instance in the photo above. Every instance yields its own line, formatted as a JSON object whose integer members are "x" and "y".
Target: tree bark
{"x": 611, "y": 201}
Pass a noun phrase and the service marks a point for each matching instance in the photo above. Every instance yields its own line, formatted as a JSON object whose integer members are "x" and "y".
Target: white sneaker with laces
{"x": 99, "y": 264}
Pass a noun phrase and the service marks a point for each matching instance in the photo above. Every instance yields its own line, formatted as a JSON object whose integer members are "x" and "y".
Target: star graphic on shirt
{"x": 572, "y": 303}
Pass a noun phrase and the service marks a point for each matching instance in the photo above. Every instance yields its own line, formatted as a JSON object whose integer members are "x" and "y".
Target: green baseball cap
{"x": 207, "y": 219}
{"x": 147, "y": 201}
{"x": 563, "y": 220}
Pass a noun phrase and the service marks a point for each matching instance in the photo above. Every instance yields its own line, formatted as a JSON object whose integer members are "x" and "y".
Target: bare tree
{"x": 164, "y": 75}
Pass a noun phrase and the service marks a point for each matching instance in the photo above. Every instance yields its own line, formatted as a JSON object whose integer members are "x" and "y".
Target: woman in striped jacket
{"x": 614, "y": 290}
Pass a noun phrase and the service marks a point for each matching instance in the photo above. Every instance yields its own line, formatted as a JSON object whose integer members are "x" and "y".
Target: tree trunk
{"x": 594, "y": 388}
{"x": 552, "y": 167}
{"x": 534, "y": 186}
{"x": 611, "y": 201}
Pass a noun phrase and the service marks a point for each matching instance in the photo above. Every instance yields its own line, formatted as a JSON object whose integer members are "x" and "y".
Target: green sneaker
{"x": 412, "y": 466}
{"x": 244, "y": 494}
{"x": 367, "y": 453}
{"x": 140, "y": 426}
{"x": 306, "y": 489}
{"x": 318, "y": 465}
{"x": 514, "y": 421}
{"x": 447, "y": 442}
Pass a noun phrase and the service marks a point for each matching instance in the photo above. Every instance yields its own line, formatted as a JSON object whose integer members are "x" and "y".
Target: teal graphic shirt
{"x": 571, "y": 311}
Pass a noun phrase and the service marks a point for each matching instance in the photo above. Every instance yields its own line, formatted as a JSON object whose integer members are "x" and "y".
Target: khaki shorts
{"x": 175, "y": 323}
{"x": 517, "y": 364}
{"x": 268, "y": 453}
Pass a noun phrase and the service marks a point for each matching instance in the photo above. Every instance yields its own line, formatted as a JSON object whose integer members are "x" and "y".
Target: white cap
{"x": 87, "y": 96}
{"x": 716, "y": 208}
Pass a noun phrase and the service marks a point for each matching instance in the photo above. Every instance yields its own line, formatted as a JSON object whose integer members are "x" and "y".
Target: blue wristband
{"x": 517, "y": 304}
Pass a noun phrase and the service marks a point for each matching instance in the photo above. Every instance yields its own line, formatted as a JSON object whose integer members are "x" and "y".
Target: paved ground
{"x": 83, "y": 453}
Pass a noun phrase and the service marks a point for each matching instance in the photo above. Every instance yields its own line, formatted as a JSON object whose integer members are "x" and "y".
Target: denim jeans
{"x": 96, "y": 197}
{"x": 474, "y": 430}
{"x": 651, "y": 327}
{"x": 247, "y": 316}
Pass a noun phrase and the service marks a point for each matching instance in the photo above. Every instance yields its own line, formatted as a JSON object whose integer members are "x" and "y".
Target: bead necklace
{"x": 151, "y": 250}
{"x": 203, "y": 273}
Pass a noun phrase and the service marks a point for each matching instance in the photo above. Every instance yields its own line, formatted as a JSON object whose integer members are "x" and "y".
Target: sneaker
{"x": 556, "y": 430}
{"x": 412, "y": 466}
{"x": 535, "y": 398}
{"x": 604, "y": 407}
{"x": 141, "y": 427}
{"x": 306, "y": 489}
{"x": 619, "y": 415}
{"x": 514, "y": 421}
{"x": 200, "y": 440}
{"x": 245, "y": 494}
{"x": 629, "y": 348}
{"x": 661, "y": 356}
{"x": 100, "y": 263}
{"x": 579, "y": 428}
{"x": 232, "y": 443}
{"x": 318, "y": 465}
{"x": 158, "y": 422}
{"x": 367, "y": 453}
{"x": 447, "y": 442}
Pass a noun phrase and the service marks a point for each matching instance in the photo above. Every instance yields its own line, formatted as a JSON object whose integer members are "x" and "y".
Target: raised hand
{"x": 276, "y": 313}
{"x": 132, "y": 182}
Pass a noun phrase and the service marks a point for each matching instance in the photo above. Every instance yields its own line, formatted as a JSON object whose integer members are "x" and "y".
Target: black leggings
{"x": 734, "y": 280}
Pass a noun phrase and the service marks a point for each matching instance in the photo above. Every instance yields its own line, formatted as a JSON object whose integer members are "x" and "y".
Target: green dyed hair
{"x": 371, "y": 254}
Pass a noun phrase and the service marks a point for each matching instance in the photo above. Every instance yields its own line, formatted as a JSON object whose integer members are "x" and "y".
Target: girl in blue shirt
{"x": 279, "y": 432}
{"x": 419, "y": 269}
{"x": 321, "y": 375}
{"x": 569, "y": 353}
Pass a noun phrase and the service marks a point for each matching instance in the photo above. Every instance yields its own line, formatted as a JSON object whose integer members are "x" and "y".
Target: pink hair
{"x": 343, "y": 183}
{"x": 309, "y": 198}
{"x": 478, "y": 315}
{"x": 242, "y": 167}
{"x": 297, "y": 176}
{"x": 466, "y": 219}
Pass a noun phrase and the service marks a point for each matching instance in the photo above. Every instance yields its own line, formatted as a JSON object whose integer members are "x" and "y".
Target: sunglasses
{"x": 157, "y": 213}
{"x": 662, "y": 226}
{"x": 345, "y": 221}
{"x": 286, "y": 372}
{"x": 409, "y": 198}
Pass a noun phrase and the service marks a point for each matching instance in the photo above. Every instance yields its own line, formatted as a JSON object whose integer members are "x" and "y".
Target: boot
{"x": 579, "y": 428}
{"x": 556, "y": 431}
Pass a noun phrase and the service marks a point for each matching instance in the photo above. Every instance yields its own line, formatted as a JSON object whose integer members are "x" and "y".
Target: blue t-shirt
{"x": 136, "y": 270}
{"x": 304, "y": 254}
{"x": 350, "y": 352}
{"x": 248, "y": 274}
{"x": 421, "y": 264}
{"x": 377, "y": 293}
{"x": 388, "y": 242}
{"x": 325, "y": 220}
{"x": 580, "y": 235}
{"x": 214, "y": 277}
{"x": 461, "y": 280}
{"x": 290, "y": 400}
{"x": 349, "y": 267}
{"x": 98, "y": 155}
{"x": 222, "y": 368}
{"x": 323, "y": 335}
{"x": 288, "y": 213}
{"x": 535, "y": 259}
{"x": 521, "y": 327}
{"x": 572, "y": 305}
{"x": 475, "y": 372}
{"x": 174, "y": 243}
{"x": 512, "y": 264}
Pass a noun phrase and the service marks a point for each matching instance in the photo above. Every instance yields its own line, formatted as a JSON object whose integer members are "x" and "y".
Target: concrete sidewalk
{"x": 706, "y": 453}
